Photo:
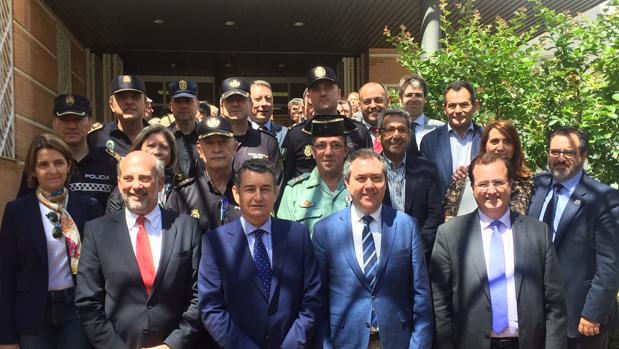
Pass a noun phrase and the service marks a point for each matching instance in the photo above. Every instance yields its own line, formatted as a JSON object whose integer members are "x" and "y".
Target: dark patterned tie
{"x": 261, "y": 258}
{"x": 370, "y": 259}
{"x": 551, "y": 208}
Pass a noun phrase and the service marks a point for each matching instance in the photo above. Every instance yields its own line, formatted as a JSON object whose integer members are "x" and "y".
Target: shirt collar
{"x": 368, "y": 125}
{"x": 256, "y": 126}
{"x": 469, "y": 129}
{"x": 421, "y": 120}
{"x": 391, "y": 162}
{"x": 357, "y": 214}
{"x": 487, "y": 221}
{"x": 248, "y": 228}
{"x": 153, "y": 217}
{"x": 571, "y": 183}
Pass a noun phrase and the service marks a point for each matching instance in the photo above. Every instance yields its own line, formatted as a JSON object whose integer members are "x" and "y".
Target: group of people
{"x": 359, "y": 226}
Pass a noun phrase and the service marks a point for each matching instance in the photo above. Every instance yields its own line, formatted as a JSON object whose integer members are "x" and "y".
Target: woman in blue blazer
{"x": 40, "y": 242}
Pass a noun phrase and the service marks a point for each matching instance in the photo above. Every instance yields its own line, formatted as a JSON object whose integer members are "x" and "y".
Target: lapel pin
{"x": 577, "y": 202}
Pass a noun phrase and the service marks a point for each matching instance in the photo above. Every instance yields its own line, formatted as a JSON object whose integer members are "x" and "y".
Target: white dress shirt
{"x": 357, "y": 232}
{"x": 152, "y": 224}
{"x": 59, "y": 271}
{"x": 248, "y": 229}
{"x": 508, "y": 248}
{"x": 460, "y": 146}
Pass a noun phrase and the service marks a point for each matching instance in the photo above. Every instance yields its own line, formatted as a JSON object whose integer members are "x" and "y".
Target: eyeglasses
{"x": 55, "y": 220}
{"x": 485, "y": 186}
{"x": 333, "y": 146}
{"x": 569, "y": 154}
{"x": 389, "y": 131}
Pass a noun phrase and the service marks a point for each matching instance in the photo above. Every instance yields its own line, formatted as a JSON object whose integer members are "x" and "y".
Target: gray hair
{"x": 364, "y": 153}
{"x": 392, "y": 111}
{"x": 298, "y": 101}
{"x": 159, "y": 167}
{"x": 261, "y": 83}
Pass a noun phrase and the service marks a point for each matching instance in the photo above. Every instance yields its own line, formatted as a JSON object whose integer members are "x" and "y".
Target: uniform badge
{"x": 307, "y": 151}
{"x": 195, "y": 213}
{"x": 182, "y": 85}
{"x": 235, "y": 83}
{"x": 110, "y": 144}
{"x": 69, "y": 100}
{"x": 212, "y": 122}
{"x": 126, "y": 79}
{"x": 306, "y": 204}
{"x": 320, "y": 72}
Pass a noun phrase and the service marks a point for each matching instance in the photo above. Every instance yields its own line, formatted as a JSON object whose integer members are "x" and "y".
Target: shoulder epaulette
{"x": 298, "y": 179}
{"x": 184, "y": 182}
{"x": 179, "y": 179}
{"x": 95, "y": 127}
{"x": 114, "y": 154}
{"x": 267, "y": 132}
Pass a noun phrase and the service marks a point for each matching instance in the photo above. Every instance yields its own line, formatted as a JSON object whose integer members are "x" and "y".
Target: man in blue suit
{"x": 371, "y": 258}
{"x": 259, "y": 282}
{"x": 583, "y": 216}
{"x": 454, "y": 145}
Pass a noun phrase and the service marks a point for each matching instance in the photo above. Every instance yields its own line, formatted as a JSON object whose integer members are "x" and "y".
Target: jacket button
{"x": 145, "y": 331}
{"x": 488, "y": 308}
{"x": 367, "y": 324}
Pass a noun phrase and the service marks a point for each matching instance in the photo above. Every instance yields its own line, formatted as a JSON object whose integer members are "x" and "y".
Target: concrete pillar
{"x": 430, "y": 26}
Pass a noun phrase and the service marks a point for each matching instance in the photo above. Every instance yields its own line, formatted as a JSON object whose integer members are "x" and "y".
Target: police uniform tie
{"x": 261, "y": 258}
{"x": 144, "y": 256}
{"x": 497, "y": 280}
{"x": 370, "y": 260}
{"x": 549, "y": 214}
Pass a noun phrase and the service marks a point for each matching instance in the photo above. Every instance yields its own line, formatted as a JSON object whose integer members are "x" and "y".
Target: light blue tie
{"x": 497, "y": 280}
{"x": 370, "y": 259}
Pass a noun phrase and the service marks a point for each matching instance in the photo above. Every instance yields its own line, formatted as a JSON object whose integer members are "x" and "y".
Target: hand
{"x": 9, "y": 346}
{"x": 459, "y": 173}
{"x": 588, "y": 328}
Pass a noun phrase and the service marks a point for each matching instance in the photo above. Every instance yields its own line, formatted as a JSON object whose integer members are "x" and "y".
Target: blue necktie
{"x": 261, "y": 258}
{"x": 370, "y": 260}
{"x": 497, "y": 280}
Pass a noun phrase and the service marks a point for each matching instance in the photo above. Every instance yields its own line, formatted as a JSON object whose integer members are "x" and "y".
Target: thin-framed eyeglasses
{"x": 569, "y": 154}
{"x": 390, "y": 131}
{"x": 496, "y": 184}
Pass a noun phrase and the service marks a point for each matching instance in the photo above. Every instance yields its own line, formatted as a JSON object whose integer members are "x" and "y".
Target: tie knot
{"x": 558, "y": 187}
{"x": 367, "y": 219}
{"x": 141, "y": 220}
{"x": 258, "y": 233}
{"x": 496, "y": 225}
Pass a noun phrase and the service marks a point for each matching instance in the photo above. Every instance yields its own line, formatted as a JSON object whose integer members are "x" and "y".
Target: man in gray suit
{"x": 261, "y": 95}
{"x": 413, "y": 90}
{"x": 495, "y": 276}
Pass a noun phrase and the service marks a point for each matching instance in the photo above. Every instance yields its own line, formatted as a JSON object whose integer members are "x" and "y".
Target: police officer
{"x": 236, "y": 106}
{"x": 128, "y": 103}
{"x": 208, "y": 197}
{"x": 323, "y": 93}
{"x": 315, "y": 195}
{"x": 94, "y": 174}
{"x": 184, "y": 105}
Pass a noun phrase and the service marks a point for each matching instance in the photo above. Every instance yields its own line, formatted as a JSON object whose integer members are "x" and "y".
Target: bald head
{"x": 140, "y": 179}
{"x": 373, "y": 99}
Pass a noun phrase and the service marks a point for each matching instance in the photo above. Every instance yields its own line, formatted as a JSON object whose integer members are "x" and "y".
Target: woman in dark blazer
{"x": 40, "y": 243}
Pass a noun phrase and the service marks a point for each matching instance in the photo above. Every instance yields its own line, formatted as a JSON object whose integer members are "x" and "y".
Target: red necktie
{"x": 378, "y": 146}
{"x": 144, "y": 256}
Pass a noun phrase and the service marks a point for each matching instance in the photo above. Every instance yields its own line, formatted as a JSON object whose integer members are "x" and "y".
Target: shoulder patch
{"x": 95, "y": 127}
{"x": 298, "y": 179}
{"x": 114, "y": 154}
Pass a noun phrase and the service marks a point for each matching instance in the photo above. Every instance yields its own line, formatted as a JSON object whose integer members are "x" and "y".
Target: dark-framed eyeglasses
{"x": 55, "y": 220}
{"x": 569, "y": 154}
{"x": 389, "y": 131}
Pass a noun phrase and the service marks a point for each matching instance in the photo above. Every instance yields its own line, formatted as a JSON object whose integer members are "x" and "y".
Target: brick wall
{"x": 383, "y": 66}
{"x": 36, "y": 82}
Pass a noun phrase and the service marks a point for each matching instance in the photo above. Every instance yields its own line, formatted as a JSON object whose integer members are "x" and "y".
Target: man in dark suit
{"x": 261, "y": 95}
{"x": 412, "y": 180}
{"x": 495, "y": 275}
{"x": 374, "y": 273}
{"x": 454, "y": 145}
{"x": 583, "y": 215}
{"x": 136, "y": 285}
{"x": 259, "y": 282}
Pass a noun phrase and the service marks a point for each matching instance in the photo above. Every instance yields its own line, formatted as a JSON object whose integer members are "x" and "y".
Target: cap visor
{"x": 234, "y": 92}
{"x": 184, "y": 94}
{"x": 217, "y": 133}
{"x": 71, "y": 112}
{"x": 128, "y": 89}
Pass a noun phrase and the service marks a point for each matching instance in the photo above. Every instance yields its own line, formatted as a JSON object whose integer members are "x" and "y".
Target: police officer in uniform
{"x": 236, "y": 106}
{"x": 315, "y": 195}
{"x": 324, "y": 93}
{"x": 128, "y": 103}
{"x": 94, "y": 172}
{"x": 208, "y": 197}
{"x": 184, "y": 105}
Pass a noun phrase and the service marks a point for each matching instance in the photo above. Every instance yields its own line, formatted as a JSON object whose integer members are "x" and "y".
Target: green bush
{"x": 569, "y": 76}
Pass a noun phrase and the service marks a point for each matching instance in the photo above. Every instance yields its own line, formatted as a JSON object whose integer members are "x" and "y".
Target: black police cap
{"x": 234, "y": 86}
{"x": 214, "y": 126}
{"x": 72, "y": 104}
{"x": 128, "y": 83}
{"x": 321, "y": 73}
{"x": 183, "y": 88}
{"x": 329, "y": 126}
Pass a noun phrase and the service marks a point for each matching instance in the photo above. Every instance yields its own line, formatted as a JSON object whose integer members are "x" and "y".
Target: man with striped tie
{"x": 495, "y": 276}
{"x": 371, "y": 258}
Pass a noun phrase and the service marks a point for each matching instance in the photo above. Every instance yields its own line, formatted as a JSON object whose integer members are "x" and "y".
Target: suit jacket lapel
{"x": 279, "y": 241}
{"x": 574, "y": 205}
{"x": 349, "y": 247}
{"x": 476, "y": 251}
{"x": 122, "y": 245}
{"x": 38, "y": 232}
{"x": 387, "y": 237}
{"x": 240, "y": 249}
{"x": 519, "y": 234}
{"x": 168, "y": 237}
{"x": 542, "y": 185}
{"x": 410, "y": 183}
{"x": 475, "y": 142}
{"x": 445, "y": 146}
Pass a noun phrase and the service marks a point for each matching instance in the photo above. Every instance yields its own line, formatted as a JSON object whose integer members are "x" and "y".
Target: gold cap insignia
{"x": 69, "y": 100}
{"x": 126, "y": 79}
{"x": 307, "y": 151}
{"x": 182, "y": 85}
{"x": 195, "y": 213}
{"x": 212, "y": 122}
{"x": 235, "y": 83}
{"x": 320, "y": 72}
